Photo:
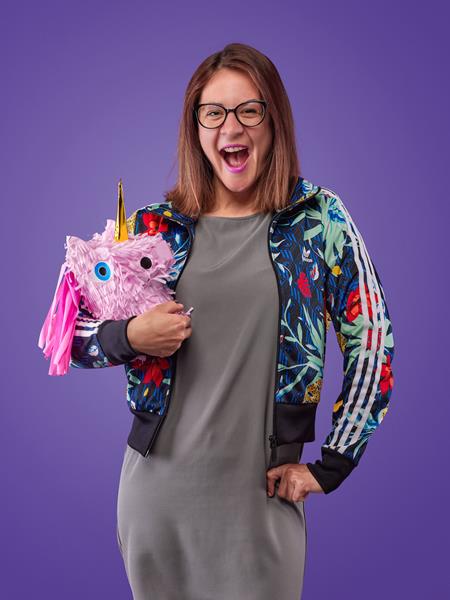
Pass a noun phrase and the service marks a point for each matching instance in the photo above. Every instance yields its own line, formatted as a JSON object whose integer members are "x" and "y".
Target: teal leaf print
{"x": 298, "y": 218}
{"x": 310, "y": 233}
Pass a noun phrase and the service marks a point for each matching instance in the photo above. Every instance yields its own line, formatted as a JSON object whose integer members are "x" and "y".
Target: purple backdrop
{"x": 92, "y": 91}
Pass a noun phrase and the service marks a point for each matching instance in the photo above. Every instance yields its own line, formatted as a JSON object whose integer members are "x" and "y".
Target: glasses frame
{"x": 233, "y": 110}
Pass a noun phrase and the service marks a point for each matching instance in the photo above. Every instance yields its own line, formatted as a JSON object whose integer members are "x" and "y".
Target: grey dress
{"x": 194, "y": 518}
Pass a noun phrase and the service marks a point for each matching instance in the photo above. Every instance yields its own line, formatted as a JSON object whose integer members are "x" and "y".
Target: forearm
{"x": 98, "y": 344}
{"x": 114, "y": 341}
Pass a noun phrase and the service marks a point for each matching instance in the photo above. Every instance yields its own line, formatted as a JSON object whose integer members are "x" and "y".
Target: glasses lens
{"x": 211, "y": 115}
{"x": 251, "y": 113}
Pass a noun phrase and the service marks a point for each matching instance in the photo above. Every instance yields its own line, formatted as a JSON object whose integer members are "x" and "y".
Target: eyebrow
{"x": 222, "y": 104}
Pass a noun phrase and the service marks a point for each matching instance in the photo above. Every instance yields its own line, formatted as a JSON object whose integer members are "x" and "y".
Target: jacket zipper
{"x": 273, "y": 439}
{"x": 273, "y": 435}
{"x": 169, "y": 395}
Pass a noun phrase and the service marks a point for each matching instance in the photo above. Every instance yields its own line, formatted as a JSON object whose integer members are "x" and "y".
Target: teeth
{"x": 234, "y": 149}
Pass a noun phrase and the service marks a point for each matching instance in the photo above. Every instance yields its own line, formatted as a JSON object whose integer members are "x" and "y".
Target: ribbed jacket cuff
{"x": 331, "y": 471}
{"x": 113, "y": 339}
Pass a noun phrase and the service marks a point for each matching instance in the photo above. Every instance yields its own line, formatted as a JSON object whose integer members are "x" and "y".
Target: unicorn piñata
{"x": 115, "y": 274}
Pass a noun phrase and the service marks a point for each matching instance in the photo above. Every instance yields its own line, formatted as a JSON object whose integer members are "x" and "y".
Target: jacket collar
{"x": 303, "y": 191}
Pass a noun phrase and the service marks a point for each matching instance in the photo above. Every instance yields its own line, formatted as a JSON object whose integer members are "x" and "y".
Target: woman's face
{"x": 230, "y": 87}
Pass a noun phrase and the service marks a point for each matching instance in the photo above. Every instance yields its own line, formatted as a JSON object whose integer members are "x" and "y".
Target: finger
{"x": 275, "y": 471}
{"x": 299, "y": 491}
{"x": 272, "y": 476}
{"x": 270, "y": 486}
{"x": 283, "y": 487}
{"x": 173, "y": 307}
{"x": 292, "y": 491}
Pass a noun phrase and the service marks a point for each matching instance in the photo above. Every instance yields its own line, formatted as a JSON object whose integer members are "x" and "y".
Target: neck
{"x": 232, "y": 204}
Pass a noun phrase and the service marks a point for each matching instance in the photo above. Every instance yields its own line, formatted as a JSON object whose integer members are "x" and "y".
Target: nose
{"x": 231, "y": 124}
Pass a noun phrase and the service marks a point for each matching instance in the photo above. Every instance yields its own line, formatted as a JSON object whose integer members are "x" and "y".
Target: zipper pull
{"x": 273, "y": 441}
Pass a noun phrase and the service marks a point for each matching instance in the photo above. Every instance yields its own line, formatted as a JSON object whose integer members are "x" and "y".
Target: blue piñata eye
{"x": 102, "y": 271}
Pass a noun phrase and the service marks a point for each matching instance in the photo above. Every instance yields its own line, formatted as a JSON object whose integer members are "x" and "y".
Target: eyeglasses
{"x": 250, "y": 113}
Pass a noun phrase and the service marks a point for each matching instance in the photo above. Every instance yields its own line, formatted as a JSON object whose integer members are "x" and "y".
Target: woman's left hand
{"x": 296, "y": 482}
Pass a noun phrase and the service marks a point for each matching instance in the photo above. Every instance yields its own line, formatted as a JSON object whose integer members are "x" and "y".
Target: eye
{"x": 102, "y": 271}
{"x": 146, "y": 262}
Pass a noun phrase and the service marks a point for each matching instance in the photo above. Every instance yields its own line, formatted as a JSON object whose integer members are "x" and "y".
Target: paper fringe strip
{"x": 57, "y": 332}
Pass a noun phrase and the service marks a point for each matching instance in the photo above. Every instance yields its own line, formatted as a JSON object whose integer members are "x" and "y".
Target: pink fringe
{"x": 57, "y": 332}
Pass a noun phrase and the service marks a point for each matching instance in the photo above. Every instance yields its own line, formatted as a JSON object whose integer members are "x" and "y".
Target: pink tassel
{"x": 57, "y": 332}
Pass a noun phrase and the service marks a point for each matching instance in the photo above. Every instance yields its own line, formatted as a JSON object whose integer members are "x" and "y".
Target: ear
{"x": 110, "y": 228}
{"x": 79, "y": 254}
{"x": 75, "y": 244}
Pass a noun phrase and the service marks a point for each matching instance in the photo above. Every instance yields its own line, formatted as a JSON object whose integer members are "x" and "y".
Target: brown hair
{"x": 194, "y": 190}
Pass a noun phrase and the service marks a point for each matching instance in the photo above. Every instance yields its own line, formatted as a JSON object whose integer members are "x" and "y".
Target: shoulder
{"x": 148, "y": 208}
{"x": 328, "y": 207}
{"x": 330, "y": 203}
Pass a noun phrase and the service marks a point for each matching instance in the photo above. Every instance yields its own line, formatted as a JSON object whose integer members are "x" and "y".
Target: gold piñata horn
{"x": 120, "y": 231}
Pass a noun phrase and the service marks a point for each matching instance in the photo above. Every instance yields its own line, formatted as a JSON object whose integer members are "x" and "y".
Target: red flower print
{"x": 138, "y": 362}
{"x": 387, "y": 378}
{"x": 354, "y": 307}
{"x": 154, "y": 371}
{"x": 153, "y": 368}
{"x": 154, "y": 223}
{"x": 303, "y": 285}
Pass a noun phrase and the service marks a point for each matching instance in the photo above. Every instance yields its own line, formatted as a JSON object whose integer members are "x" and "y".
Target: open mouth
{"x": 235, "y": 159}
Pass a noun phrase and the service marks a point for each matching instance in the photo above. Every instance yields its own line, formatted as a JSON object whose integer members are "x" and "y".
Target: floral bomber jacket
{"x": 324, "y": 274}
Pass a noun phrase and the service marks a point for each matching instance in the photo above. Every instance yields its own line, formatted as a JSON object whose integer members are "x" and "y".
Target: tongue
{"x": 235, "y": 159}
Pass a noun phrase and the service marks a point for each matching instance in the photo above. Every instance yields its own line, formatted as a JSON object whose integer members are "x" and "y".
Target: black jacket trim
{"x": 295, "y": 422}
{"x": 143, "y": 429}
{"x": 113, "y": 339}
{"x": 331, "y": 471}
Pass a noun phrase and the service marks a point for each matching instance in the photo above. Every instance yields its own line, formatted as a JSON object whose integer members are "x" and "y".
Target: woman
{"x": 199, "y": 515}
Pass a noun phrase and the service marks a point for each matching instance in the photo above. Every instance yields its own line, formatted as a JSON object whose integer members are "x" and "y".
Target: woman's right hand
{"x": 159, "y": 331}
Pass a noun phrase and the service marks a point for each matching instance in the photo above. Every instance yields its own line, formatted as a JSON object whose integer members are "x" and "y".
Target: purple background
{"x": 92, "y": 91}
